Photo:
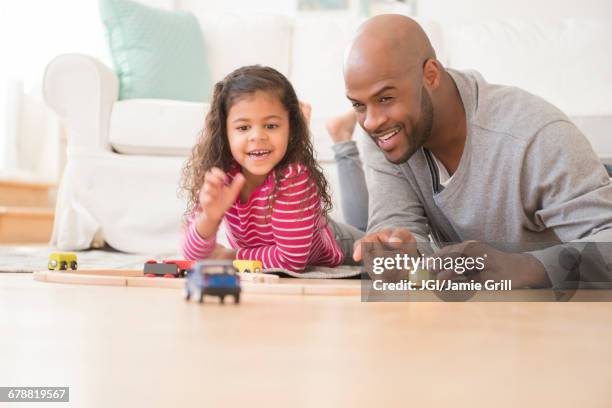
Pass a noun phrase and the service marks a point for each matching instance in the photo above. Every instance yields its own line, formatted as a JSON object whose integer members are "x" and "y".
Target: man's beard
{"x": 417, "y": 138}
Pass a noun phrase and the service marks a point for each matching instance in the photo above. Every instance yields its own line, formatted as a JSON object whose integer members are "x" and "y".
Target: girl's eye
{"x": 243, "y": 128}
{"x": 271, "y": 126}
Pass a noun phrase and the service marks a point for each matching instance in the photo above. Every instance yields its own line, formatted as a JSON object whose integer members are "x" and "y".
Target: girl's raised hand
{"x": 216, "y": 198}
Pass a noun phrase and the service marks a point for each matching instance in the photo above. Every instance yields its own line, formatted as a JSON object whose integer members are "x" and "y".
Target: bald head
{"x": 397, "y": 40}
{"x": 390, "y": 71}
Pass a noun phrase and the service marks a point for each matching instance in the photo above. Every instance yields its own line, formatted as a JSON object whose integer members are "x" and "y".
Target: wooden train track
{"x": 251, "y": 282}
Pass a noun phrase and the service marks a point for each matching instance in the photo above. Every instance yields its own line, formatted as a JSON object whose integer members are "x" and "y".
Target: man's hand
{"x": 522, "y": 269}
{"x": 391, "y": 238}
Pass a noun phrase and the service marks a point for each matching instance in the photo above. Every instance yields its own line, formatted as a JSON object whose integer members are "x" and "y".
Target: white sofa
{"x": 124, "y": 158}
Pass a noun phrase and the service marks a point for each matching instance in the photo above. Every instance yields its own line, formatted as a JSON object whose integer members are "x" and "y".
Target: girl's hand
{"x": 221, "y": 252}
{"x": 215, "y": 199}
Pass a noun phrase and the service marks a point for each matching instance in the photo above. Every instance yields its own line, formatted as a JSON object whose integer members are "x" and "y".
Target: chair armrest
{"x": 81, "y": 91}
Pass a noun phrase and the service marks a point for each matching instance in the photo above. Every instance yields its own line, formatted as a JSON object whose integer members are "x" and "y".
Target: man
{"x": 459, "y": 159}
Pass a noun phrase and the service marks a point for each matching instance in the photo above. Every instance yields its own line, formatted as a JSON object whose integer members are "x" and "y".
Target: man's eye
{"x": 242, "y": 128}
{"x": 357, "y": 106}
{"x": 385, "y": 99}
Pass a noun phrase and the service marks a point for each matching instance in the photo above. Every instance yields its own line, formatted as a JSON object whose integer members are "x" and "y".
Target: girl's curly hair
{"x": 212, "y": 148}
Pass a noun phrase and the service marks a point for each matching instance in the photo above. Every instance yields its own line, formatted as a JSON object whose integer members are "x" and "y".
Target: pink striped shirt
{"x": 290, "y": 236}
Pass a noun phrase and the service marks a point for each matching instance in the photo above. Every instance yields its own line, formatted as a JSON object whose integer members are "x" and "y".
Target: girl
{"x": 254, "y": 168}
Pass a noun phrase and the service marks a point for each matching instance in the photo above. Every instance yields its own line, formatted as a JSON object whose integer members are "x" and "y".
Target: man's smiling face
{"x": 391, "y": 103}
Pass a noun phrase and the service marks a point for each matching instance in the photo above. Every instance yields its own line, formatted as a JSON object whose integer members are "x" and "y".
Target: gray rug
{"x": 30, "y": 258}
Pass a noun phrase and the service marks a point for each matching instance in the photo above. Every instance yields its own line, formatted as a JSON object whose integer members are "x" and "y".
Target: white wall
{"x": 239, "y": 6}
{"x": 32, "y": 32}
{"x": 506, "y": 9}
{"x": 270, "y": 6}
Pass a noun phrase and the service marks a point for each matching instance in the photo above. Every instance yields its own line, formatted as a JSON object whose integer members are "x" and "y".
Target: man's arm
{"x": 393, "y": 203}
{"x": 567, "y": 189}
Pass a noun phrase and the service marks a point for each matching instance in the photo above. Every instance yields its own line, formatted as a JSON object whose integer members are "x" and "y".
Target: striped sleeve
{"x": 194, "y": 246}
{"x": 295, "y": 218}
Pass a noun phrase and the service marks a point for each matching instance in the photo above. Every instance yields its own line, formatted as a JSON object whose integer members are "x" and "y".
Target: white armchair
{"x": 83, "y": 90}
{"x": 131, "y": 199}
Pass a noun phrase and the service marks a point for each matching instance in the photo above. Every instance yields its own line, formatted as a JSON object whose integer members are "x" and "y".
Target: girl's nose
{"x": 257, "y": 133}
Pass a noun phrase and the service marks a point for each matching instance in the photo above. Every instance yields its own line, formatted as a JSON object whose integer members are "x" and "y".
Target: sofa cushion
{"x": 153, "y": 127}
{"x": 235, "y": 40}
{"x": 319, "y": 42}
{"x": 156, "y": 127}
{"x": 156, "y": 53}
{"x": 567, "y": 62}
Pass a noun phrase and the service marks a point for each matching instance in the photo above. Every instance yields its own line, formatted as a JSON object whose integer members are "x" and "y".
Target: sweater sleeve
{"x": 567, "y": 186}
{"x": 393, "y": 202}
{"x": 295, "y": 218}
{"x": 194, "y": 246}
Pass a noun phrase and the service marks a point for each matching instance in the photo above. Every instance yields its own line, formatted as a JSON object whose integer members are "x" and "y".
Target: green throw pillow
{"x": 157, "y": 53}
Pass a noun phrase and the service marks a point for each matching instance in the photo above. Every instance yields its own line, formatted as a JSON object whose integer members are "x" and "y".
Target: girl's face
{"x": 258, "y": 133}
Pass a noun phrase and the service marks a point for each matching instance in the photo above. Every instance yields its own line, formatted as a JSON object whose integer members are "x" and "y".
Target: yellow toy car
{"x": 62, "y": 260}
{"x": 248, "y": 266}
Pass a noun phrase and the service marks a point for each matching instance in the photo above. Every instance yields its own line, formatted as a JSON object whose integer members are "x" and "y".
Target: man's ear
{"x": 431, "y": 74}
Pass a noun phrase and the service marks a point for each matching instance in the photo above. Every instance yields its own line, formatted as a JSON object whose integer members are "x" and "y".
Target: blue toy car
{"x": 213, "y": 278}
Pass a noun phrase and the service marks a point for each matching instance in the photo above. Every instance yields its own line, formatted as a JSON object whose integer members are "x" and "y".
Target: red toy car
{"x": 167, "y": 268}
{"x": 182, "y": 265}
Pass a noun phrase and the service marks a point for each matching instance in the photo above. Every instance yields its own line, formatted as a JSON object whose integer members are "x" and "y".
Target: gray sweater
{"x": 527, "y": 175}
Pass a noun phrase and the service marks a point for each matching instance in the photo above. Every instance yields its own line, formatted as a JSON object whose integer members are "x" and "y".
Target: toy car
{"x": 171, "y": 268}
{"x": 248, "y": 266}
{"x": 213, "y": 278}
{"x": 61, "y": 261}
{"x": 182, "y": 265}
{"x": 154, "y": 269}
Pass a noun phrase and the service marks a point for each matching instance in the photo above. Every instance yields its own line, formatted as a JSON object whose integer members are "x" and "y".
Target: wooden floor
{"x": 26, "y": 212}
{"x": 132, "y": 346}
